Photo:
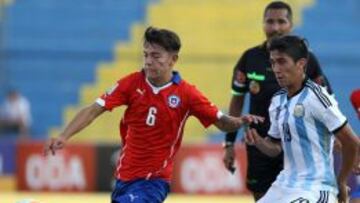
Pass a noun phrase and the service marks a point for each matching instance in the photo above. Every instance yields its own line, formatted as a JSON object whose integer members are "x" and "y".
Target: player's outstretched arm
{"x": 266, "y": 145}
{"x": 350, "y": 148}
{"x": 82, "y": 119}
{"x": 229, "y": 123}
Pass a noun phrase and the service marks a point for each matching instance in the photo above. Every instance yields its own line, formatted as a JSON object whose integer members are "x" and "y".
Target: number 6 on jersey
{"x": 150, "y": 120}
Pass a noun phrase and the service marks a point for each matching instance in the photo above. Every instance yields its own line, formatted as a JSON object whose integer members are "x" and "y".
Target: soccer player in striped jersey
{"x": 158, "y": 104}
{"x": 304, "y": 119}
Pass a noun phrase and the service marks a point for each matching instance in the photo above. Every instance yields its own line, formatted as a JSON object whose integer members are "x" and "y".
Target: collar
{"x": 302, "y": 87}
{"x": 176, "y": 78}
{"x": 263, "y": 46}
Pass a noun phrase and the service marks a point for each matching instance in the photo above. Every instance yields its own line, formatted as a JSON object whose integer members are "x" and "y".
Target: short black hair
{"x": 279, "y": 5}
{"x": 167, "y": 39}
{"x": 294, "y": 46}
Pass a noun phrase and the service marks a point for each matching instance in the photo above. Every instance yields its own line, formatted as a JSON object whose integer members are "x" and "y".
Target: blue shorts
{"x": 140, "y": 191}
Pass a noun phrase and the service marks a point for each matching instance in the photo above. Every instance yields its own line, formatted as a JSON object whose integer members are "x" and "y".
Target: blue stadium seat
{"x": 333, "y": 32}
{"x": 52, "y": 48}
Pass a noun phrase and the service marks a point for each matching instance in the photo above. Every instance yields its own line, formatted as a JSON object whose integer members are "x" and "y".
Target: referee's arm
{"x": 239, "y": 89}
{"x": 235, "y": 109}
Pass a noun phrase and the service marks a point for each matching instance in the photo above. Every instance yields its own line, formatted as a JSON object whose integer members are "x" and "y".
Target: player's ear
{"x": 174, "y": 57}
{"x": 291, "y": 24}
{"x": 302, "y": 63}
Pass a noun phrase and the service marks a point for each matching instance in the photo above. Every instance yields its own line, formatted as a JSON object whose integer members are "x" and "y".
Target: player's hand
{"x": 343, "y": 195}
{"x": 247, "y": 119}
{"x": 252, "y": 137}
{"x": 54, "y": 144}
{"x": 337, "y": 145}
{"x": 229, "y": 158}
{"x": 356, "y": 168}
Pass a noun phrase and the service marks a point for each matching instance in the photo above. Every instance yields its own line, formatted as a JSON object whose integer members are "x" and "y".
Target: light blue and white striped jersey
{"x": 305, "y": 123}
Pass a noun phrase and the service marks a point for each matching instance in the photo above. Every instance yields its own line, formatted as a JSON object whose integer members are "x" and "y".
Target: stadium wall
{"x": 198, "y": 169}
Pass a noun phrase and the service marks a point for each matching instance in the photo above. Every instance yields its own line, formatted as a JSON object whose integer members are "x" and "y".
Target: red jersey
{"x": 355, "y": 100}
{"x": 152, "y": 126}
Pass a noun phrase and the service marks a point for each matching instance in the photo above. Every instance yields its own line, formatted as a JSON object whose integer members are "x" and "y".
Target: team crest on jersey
{"x": 299, "y": 110}
{"x": 173, "y": 101}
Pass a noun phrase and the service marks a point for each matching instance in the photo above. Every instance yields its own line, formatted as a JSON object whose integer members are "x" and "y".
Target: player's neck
{"x": 295, "y": 88}
{"x": 159, "y": 82}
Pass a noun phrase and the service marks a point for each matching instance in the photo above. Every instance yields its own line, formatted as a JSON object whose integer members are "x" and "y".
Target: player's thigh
{"x": 142, "y": 191}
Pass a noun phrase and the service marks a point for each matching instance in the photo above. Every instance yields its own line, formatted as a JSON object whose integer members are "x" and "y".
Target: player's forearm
{"x": 228, "y": 123}
{"x": 82, "y": 119}
{"x": 350, "y": 155}
{"x": 350, "y": 151}
{"x": 269, "y": 147}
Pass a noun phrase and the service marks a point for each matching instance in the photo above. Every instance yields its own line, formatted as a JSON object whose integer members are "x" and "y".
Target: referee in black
{"x": 253, "y": 74}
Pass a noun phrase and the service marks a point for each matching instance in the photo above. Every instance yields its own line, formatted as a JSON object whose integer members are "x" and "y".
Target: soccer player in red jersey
{"x": 158, "y": 104}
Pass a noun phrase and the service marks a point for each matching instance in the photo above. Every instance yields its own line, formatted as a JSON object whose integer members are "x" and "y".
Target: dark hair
{"x": 279, "y": 5}
{"x": 293, "y": 46}
{"x": 167, "y": 39}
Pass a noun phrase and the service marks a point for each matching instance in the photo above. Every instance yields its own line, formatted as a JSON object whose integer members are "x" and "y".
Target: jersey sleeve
{"x": 117, "y": 95}
{"x": 325, "y": 109}
{"x": 274, "y": 110}
{"x": 202, "y": 108}
{"x": 239, "y": 83}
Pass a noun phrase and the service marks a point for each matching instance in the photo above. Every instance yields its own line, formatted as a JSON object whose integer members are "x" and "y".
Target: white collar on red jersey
{"x": 176, "y": 79}
{"x": 156, "y": 90}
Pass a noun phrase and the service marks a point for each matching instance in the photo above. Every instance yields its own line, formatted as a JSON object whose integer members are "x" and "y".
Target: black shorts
{"x": 262, "y": 170}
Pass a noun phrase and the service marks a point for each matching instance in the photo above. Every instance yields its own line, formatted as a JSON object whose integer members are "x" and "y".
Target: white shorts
{"x": 278, "y": 194}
